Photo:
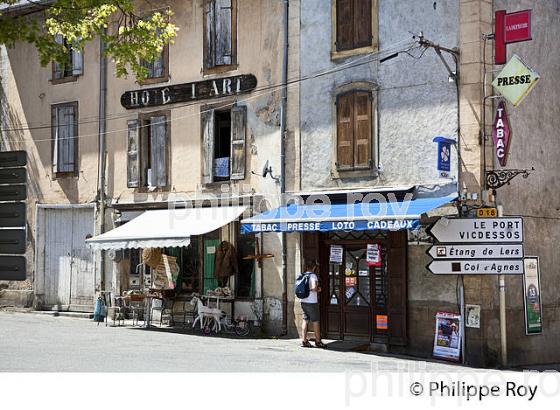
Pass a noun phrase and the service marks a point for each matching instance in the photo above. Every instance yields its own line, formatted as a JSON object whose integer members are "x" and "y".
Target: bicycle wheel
{"x": 242, "y": 328}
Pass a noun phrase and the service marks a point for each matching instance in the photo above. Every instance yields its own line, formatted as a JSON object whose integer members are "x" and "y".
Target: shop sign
{"x": 472, "y": 316}
{"x": 373, "y": 255}
{"x": 501, "y": 134}
{"x": 447, "y": 340}
{"x": 326, "y": 226}
{"x": 510, "y": 28}
{"x": 488, "y": 230}
{"x": 480, "y": 251}
{"x": 486, "y": 213}
{"x": 187, "y": 92}
{"x": 444, "y": 156}
{"x": 532, "y": 296}
{"x": 476, "y": 267}
{"x": 515, "y": 81}
{"x": 336, "y": 255}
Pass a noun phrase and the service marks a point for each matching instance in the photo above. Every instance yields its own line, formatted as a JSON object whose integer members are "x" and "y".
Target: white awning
{"x": 166, "y": 227}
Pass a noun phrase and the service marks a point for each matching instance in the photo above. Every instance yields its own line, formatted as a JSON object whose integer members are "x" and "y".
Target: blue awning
{"x": 362, "y": 216}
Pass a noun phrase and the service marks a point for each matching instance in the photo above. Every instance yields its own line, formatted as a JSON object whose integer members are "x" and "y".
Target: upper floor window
{"x": 158, "y": 68}
{"x": 64, "y": 118}
{"x": 223, "y": 144}
{"x": 71, "y": 67}
{"x": 220, "y": 35}
{"x": 355, "y": 130}
{"x": 148, "y": 158}
{"x": 355, "y": 25}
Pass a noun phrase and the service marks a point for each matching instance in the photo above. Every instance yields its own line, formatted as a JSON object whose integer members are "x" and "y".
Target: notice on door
{"x": 336, "y": 254}
{"x": 373, "y": 256}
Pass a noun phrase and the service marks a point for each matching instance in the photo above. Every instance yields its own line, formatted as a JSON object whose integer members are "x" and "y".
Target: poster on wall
{"x": 472, "y": 316}
{"x": 532, "y": 296}
{"x": 447, "y": 340}
{"x": 336, "y": 254}
{"x": 373, "y": 256}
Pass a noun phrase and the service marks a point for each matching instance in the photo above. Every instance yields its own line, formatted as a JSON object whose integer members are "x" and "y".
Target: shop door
{"x": 358, "y": 294}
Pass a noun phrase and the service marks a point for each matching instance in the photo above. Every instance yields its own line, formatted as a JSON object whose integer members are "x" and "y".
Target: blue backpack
{"x": 302, "y": 285}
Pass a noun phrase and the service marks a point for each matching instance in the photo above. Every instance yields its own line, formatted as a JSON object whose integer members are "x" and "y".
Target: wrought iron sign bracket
{"x": 498, "y": 178}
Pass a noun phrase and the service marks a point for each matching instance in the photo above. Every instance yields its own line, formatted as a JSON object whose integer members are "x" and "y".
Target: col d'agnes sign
{"x": 180, "y": 93}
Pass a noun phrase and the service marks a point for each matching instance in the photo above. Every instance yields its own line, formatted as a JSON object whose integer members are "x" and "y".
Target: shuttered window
{"x": 158, "y": 68}
{"x": 64, "y": 118}
{"x": 72, "y": 67}
{"x": 354, "y": 130}
{"x": 148, "y": 151}
{"x": 353, "y": 24}
{"x": 220, "y": 40}
{"x": 223, "y": 144}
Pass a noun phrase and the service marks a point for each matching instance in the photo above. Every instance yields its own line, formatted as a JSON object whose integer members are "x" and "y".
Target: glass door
{"x": 356, "y": 294}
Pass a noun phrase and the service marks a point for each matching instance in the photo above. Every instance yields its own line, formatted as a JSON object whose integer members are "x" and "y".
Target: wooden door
{"x": 397, "y": 295}
{"x": 356, "y": 292}
{"x": 82, "y": 280}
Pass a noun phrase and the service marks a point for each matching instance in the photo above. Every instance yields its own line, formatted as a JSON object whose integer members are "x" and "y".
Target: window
{"x": 354, "y": 131}
{"x": 245, "y": 279}
{"x": 158, "y": 69}
{"x": 220, "y": 34}
{"x": 223, "y": 144}
{"x": 148, "y": 151}
{"x": 64, "y": 120}
{"x": 71, "y": 68}
{"x": 355, "y": 25}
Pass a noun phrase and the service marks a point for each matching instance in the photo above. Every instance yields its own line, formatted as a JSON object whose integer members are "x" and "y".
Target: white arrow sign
{"x": 480, "y": 230}
{"x": 476, "y": 251}
{"x": 477, "y": 267}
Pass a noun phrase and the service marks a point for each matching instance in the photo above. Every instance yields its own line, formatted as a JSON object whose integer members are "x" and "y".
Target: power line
{"x": 369, "y": 58}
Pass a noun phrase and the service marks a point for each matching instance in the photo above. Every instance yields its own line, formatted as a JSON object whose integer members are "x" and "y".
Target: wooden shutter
{"x": 207, "y": 126}
{"x": 345, "y": 131}
{"x": 77, "y": 62}
{"x": 362, "y": 23}
{"x": 223, "y": 41}
{"x": 133, "y": 157}
{"x": 238, "y": 132}
{"x": 58, "y": 69}
{"x": 210, "y": 33}
{"x": 344, "y": 24}
{"x": 396, "y": 304}
{"x": 65, "y": 139}
{"x": 362, "y": 129}
{"x": 158, "y": 140}
{"x": 54, "y": 136}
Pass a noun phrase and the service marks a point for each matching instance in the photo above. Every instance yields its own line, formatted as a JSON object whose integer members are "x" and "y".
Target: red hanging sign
{"x": 501, "y": 134}
{"x": 510, "y": 28}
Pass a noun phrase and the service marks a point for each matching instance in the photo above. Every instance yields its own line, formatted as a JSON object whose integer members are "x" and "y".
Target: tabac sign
{"x": 180, "y": 93}
{"x": 501, "y": 133}
{"x": 515, "y": 81}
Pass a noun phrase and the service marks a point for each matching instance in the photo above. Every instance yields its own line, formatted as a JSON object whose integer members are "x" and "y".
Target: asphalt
{"x": 43, "y": 343}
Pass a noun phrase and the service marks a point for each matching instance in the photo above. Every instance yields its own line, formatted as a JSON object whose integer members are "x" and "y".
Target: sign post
{"x": 515, "y": 81}
{"x": 510, "y": 28}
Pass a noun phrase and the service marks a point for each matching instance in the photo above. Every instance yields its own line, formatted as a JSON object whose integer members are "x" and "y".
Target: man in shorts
{"x": 310, "y": 306}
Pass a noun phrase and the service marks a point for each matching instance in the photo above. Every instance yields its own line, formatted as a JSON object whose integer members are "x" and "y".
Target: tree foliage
{"x": 130, "y": 35}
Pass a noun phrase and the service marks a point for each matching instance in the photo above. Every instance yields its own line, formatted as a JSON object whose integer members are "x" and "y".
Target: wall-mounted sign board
{"x": 476, "y": 267}
{"x": 12, "y": 215}
{"x": 487, "y": 230}
{"x": 13, "y": 175}
{"x": 10, "y": 159}
{"x": 13, "y": 192}
{"x": 12, "y": 241}
{"x": 510, "y": 28}
{"x": 515, "y": 81}
{"x": 12, "y": 268}
{"x": 490, "y": 251}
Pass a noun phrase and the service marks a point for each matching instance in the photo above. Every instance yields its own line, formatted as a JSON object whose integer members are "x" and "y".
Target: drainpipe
{"x": 102, "y": 157}
{"x": 283, "y": 108}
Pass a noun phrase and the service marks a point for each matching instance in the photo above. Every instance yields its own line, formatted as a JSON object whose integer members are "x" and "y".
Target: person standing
{"x": 310, "y": 306}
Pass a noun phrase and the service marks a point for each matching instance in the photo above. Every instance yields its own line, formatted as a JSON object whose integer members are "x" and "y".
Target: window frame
{"x": 219, "y": 69}
{"x": 76, "y": 171}
{"x": 353, "y": 172}
{"x": 143, "y": 118}
{"x": 70, "y": 78}
{"x": 373, "y": 47}
{"x": 165, "y": 74}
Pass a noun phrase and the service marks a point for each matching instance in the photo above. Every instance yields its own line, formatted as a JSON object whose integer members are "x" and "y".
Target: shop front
{"x": 362, "y": 251}
{"x": 175, "y": 254}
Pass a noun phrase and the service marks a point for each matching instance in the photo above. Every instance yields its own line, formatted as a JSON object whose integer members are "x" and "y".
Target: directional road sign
{"x": 490, "y": 251}
{"x": 477, "y": 267}
{"x": 487, "y": 230}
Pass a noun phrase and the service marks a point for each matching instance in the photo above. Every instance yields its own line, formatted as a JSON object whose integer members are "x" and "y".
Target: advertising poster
{"x": 532, "y": 296}
{"x": 373, "y": 256}
{"x": 336, "y": 254}
{"x": 447, "y": 340}
{"x": 472, "y": 316}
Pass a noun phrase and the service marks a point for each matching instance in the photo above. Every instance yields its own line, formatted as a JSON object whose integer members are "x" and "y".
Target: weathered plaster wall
{"x": 416, "y": 102}
{"x": 534, "y": 143}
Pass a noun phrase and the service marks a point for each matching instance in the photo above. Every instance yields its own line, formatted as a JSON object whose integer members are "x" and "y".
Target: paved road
{"x": 37, "y": 343}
